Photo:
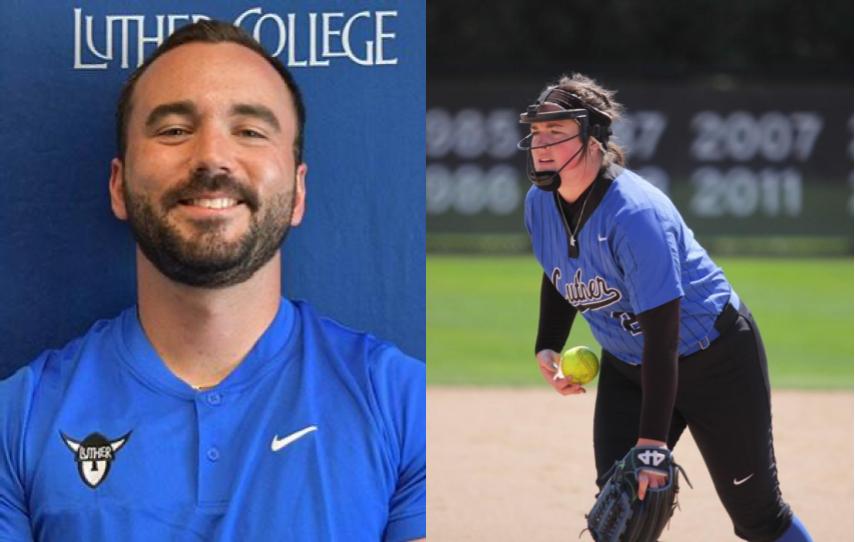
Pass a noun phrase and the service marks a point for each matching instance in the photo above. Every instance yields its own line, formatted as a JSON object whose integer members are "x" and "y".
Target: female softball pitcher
{"x": 679, "y": 346}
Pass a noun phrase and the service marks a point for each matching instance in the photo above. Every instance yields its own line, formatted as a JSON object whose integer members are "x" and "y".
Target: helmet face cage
{"x": 579, "y": 115}
{"x": 591, "y": 121}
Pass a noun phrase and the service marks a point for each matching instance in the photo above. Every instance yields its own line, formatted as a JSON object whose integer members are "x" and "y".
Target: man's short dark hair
{"x": 208, "y": 31}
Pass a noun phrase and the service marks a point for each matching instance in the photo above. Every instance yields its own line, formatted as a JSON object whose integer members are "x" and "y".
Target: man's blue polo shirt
{"x": 319, "y": 434}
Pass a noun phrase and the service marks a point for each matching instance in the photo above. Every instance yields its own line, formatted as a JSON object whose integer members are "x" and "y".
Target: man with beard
{"x": 214, "y": 409}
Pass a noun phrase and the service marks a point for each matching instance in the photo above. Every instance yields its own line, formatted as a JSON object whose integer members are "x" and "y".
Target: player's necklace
{"x": 571, "y": 232}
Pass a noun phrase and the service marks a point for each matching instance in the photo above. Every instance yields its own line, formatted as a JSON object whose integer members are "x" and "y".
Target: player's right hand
{"x": 547, "y": 362}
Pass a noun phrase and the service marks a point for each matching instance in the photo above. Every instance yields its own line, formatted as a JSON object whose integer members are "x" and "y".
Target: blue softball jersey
{"x": 319, "y": 434}
{"x": 635, "y": 253}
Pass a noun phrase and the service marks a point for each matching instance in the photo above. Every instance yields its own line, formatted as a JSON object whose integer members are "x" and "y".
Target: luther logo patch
{"x": 93, "y": 455}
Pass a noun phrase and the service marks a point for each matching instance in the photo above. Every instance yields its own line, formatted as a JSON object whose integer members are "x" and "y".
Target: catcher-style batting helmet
{"x": 592, "y": 123}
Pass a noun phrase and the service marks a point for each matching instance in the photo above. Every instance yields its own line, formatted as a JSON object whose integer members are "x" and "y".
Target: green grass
{"x": 482, "y": 319}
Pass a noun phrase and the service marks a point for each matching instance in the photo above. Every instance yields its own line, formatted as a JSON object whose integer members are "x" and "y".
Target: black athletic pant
{"x": 723, "y": 397}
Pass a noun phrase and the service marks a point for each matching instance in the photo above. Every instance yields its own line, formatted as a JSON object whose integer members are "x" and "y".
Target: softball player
{"x": 680, "y": 349}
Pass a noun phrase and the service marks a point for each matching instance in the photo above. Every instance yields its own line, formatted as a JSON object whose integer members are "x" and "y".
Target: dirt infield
{"x": 517, "y": 465}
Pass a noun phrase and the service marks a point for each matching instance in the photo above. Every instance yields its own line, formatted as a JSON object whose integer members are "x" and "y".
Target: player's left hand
{"x": 617, "y": 514}
{"x": 650, "y": 478}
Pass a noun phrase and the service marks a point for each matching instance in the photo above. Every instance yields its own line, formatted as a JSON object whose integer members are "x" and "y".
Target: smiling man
{"x": 214, "y": 409}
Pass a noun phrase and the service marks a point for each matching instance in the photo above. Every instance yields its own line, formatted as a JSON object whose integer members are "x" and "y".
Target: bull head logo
{"x": 94, "y": 455}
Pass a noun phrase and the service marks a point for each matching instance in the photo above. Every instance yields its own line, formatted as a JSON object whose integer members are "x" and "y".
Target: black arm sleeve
{"x": 661, "y": 327}
{"x": 556, "y": 318}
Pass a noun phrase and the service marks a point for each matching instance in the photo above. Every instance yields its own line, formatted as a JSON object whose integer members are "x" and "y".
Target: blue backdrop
{"x": 65, "y": 261}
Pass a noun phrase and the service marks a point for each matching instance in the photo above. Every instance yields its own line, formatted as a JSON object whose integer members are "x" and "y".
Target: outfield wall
{"x": 760, "y": 169}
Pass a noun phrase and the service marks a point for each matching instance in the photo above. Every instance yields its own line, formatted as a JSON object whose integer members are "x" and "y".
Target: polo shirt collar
{"x": 142, "y": 359}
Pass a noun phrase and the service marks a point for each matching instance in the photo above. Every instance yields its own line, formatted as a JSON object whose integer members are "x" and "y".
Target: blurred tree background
{"x": 683, "y": 39}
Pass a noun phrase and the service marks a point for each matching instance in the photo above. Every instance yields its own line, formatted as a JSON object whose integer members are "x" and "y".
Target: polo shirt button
{"x": 214, "y": 398}
{"x": 213, "y": 454}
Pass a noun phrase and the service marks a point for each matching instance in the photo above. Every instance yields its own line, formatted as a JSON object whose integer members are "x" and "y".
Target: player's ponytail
{"x": 601, "y": 99}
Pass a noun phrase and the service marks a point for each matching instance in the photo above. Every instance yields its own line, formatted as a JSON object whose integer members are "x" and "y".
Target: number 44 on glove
{"x": 618, "y": 515}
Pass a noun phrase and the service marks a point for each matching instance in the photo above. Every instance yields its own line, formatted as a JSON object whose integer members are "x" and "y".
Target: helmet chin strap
{"x": 564, "y": 105}
{"x": 547, "y": 180}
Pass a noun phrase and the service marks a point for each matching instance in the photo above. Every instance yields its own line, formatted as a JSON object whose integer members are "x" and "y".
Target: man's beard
{"x": 206, "y": 260}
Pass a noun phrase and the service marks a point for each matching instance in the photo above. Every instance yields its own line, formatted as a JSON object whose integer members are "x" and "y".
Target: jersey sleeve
{"x": 15, "y": 399}
{"x": 649, "y": 255}
{"x": 399, "y": 384}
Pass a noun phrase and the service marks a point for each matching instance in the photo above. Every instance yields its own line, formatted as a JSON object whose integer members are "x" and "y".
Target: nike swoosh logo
{"x": 279, "y": 443}
{"x": 602, "y": 239}
{"x": 740, "y": 482}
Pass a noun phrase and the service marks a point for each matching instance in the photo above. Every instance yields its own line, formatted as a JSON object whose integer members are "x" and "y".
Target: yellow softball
{"x": 580, "y": 363}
